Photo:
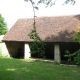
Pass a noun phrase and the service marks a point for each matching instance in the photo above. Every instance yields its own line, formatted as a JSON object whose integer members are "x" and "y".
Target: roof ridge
{"x": 50, "y": 16}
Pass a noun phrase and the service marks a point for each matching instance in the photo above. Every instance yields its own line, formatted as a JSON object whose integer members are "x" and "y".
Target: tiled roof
{"x": 50, "y": 29}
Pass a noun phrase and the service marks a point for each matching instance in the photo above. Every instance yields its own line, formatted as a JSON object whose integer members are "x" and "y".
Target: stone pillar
{"x": 56, "y": 53}
{"x": 27, "y": 53}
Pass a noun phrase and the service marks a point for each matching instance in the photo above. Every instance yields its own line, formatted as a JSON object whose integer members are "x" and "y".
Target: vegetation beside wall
{"x": 38, "y": 46}
{"x": 75, "y": 56}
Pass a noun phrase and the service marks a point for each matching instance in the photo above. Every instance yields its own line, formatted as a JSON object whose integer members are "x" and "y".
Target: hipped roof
{"x": 50, "y": 29}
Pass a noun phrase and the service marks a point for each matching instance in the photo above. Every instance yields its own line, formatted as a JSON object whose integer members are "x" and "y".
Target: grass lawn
{"x": 19, "y": 69}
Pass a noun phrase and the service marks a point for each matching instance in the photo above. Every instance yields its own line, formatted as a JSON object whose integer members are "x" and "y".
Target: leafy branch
{"x": 37, "y": 46}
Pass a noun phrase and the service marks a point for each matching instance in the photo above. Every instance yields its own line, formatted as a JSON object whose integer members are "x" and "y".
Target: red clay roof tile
{"x": 50, "y": 29}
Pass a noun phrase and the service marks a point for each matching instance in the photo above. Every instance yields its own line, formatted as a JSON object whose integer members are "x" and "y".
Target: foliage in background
{"x": 37, "y": 46}
{"x": 53, "y": 2}
{"x": 50, "y": 3}
{"x": 3, "y": 26}
{"x": 0, "y": 49}
{"x": 77, "y": 34}
{"x": 77, "y": 38}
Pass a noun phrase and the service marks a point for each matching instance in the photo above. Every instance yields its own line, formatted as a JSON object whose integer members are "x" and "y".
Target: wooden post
{"x": 27, "y": 53}
{"x": 56, "y": 53}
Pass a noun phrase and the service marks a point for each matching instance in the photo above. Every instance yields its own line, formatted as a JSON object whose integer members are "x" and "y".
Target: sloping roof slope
{"x": 50, "y": 29}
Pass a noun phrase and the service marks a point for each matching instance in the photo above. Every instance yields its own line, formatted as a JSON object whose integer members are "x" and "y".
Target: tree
{"x": 3, "y": 26}
{"x": 77, "y": 34}
{"x": 52, "y": 2}
{"x": 38, "y": 46}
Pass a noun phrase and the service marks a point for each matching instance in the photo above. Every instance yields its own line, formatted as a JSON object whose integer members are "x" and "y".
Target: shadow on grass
{"x": 15, "y": 69}
{"x": 21, "y": 69}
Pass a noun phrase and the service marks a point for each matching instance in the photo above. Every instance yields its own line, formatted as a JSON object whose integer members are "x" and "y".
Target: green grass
{"x": 19, "y": 69}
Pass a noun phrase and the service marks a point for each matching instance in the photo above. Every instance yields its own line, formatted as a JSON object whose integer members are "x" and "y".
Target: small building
{"x": 56, "y": 32}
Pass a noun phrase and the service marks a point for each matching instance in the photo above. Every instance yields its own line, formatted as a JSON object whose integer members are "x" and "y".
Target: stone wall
{"x": 5, "y": 51}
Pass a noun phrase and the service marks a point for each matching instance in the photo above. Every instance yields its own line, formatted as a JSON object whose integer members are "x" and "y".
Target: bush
{"x": 73, "y": 56}
{"x": 37, "y": 46}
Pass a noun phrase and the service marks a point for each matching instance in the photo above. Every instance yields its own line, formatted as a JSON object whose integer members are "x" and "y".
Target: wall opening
{"x": 70, "y": 46}
{"x": 49, "y": 51}
{"x": 20, "y": 53}
{"x": 15, "y": 49}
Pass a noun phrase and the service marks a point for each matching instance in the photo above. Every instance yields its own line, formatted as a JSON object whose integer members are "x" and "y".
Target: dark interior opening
{"x": 20, "y": 51}
{"x": 49, "y": 51}
{"x": 70, "y": 46}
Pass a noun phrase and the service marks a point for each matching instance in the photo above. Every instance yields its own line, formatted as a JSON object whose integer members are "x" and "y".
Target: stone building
{"x": 56, "y": 32}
